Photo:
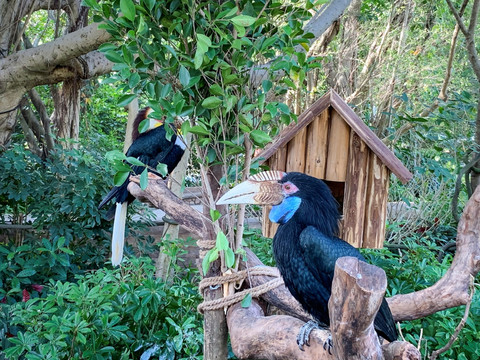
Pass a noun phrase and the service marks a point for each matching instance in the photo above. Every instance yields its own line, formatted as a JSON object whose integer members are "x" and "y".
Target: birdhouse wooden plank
{"x": 317, "y": 146}
{"x": 376, "y": 206}
{"x": 354, "y": 203}
{"x": 338, "y": 144}
{"x": 296, "y": 152}
{"x": 329, "y": 141}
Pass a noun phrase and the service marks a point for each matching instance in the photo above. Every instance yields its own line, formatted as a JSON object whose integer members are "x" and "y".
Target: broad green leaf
{"x": 134, "y": 161}
{"x": 124, "y": 100}
{"x": 114, "y": 56}
{"x": 247, "y": 300}
{"x": 213, "y": 255}
{"x": 143, "y": 126}
{"x": 26, "y": 273}
{"x": 162, "y": 169}
{"x": 120, "y": 177}
{"x": 198, "y": 130}
{"x": 215, "y": 215}
{"x": 150, "y": 4}
{"x": 115, "y": 155}
{"x": 216, "y": 89}
{"x": 222, "y": 241}
{"x": 206, "y": 263}
{"x": 243, "y": 20}
{"x": 211, "y": 102}
{"x": 204, "y": 40}
{"x": 128, "y": 9}
{"x": 144, "y": 179}
{"x": 142, "y": 26}
{"x": 198, "y": 59}
{"x": 184, "y": 76}
{"x": 229, "y": 258}
{"x": 260, "y": 138}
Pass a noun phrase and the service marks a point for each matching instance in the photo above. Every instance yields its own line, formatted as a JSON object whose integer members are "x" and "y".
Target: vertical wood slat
{"x": 296, "y": 149}
{"x": 376, "y": 206}
{"x": 317, "y": 146}
{"x": 339, "y": 139}
{"x": 355, "y": 191}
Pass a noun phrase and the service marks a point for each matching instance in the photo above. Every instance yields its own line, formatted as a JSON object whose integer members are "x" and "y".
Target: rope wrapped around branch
{"x": 238, "y": 296}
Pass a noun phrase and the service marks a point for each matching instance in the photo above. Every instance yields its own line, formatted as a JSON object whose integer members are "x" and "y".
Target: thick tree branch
{"x": 27, "y": 67}
{"x": 256, "y": 336}
{"x": 158, "y": 194}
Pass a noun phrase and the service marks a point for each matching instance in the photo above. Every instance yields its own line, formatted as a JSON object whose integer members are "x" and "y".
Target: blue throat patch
{"x": 284, "y": 211}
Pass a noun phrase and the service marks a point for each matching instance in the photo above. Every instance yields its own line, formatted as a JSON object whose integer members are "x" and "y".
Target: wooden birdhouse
{"x": 329, "y": 141}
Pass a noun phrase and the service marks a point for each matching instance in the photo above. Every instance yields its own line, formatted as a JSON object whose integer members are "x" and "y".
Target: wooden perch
{"x": 256, "y": 336}
{"x": 160, "y": 196}
{"x": 357, "y": 293}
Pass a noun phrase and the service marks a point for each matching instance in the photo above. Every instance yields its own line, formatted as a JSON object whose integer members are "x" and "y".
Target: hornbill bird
{"x": 305, "y": 246}
{"x": 152, "y": 148}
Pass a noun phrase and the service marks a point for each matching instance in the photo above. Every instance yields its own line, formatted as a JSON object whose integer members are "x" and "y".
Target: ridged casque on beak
{"x": 261, "y": 189}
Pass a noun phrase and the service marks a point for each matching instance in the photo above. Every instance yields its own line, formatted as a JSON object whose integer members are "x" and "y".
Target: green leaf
{"x": 134, "y": 161}
{"x": 216, "y": 89}
{"x": 120, "y": 177}
{"x": 222, "y": 241}
{"x": 199, "y": 130}
{"x": 162, "y": 169}
{"x": 115, "y": 155}
{"x": 229, "y": 258}
{"x": 243, "y": 20}
{"x": 210, "y": 256}
{"x": 114, "y": 56}
{"x": 204, "y": 42}
{"x": 26, "y": 273}
{"x": 143, "y": 126}
{"x": 247, "y": 301}
{"x": 144, "y": 179}
{"x": 215, "y": 215}
{"x": 128, "y": 9}
{"x": 211, "y": 102}
{"x": 260, "y": 137}
{"x": 124, "y": 100}
{"x": 184, "y": 76}
{"x": 198, "y": 59}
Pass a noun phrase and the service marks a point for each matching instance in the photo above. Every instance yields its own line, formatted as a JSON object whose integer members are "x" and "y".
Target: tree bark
{"x": 68, "y": 57}
{"x": 357, "y": 293}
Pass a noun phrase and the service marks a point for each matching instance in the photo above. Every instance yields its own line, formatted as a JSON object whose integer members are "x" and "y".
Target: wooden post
{"x": 357, "y": 293}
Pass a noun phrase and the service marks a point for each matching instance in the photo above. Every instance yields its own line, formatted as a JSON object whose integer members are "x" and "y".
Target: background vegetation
{"x": 58, "y": 297}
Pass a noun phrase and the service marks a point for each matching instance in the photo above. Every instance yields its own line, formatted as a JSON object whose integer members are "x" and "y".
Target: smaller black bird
{"x": 152, "y": 148}
{"x": 305, "y": 245}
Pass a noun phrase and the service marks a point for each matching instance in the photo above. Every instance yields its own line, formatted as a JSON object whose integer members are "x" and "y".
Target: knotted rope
{"x": 238, "y": 296}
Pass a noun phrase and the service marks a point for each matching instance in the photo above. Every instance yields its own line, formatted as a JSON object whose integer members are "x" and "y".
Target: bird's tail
{"x": 109, "y": 196}
{"x": 118, "y": 236}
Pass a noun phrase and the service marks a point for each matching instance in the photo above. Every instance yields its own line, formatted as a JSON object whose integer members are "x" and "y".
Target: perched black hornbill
{"x": 152, "y": 148}
{"x": 305, "y": 245}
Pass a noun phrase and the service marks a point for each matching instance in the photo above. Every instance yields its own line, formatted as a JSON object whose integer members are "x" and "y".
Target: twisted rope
{"x": 238, "y": 296}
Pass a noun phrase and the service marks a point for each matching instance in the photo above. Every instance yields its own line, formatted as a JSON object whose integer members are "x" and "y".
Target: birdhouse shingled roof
{"x": 332, "y": 99}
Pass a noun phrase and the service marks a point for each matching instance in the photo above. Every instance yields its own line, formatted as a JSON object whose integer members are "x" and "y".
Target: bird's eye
{"x": 289, "y": 188}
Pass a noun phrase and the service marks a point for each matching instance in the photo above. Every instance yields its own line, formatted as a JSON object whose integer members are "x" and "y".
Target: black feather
{"x": 306, "y": 249}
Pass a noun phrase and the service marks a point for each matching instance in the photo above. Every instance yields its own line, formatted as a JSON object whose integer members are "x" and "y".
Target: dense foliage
{"x": 108, "y": 314}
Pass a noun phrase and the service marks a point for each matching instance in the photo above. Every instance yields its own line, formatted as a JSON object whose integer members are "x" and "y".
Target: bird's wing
{"x": 321, "y": 252}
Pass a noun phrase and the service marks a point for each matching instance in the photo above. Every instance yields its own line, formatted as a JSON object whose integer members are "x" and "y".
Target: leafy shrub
{"x": 414, "y": 266}
{"x": 111, "y": 314}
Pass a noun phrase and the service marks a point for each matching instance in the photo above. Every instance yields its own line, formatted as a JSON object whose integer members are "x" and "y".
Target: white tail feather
{"x": 118, "y": 236}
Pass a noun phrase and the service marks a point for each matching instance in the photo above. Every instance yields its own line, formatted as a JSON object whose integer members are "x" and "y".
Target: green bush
{"x": 111, "y": 314}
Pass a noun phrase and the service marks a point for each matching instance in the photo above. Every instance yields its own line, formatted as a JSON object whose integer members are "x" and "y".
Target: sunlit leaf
{"x": 128, "y": 9}
{"x": 144, "y": 179}
{"x": 222, "y": 241}
{"x": 120, "y": 177}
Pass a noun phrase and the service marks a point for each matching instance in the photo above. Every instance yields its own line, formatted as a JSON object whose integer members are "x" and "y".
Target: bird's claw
{"x": 303, "y": 337}
{"x": 328, "y": 344}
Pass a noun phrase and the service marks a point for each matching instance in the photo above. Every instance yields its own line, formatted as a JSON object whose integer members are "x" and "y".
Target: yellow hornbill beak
{"x": 261, "y": 189}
